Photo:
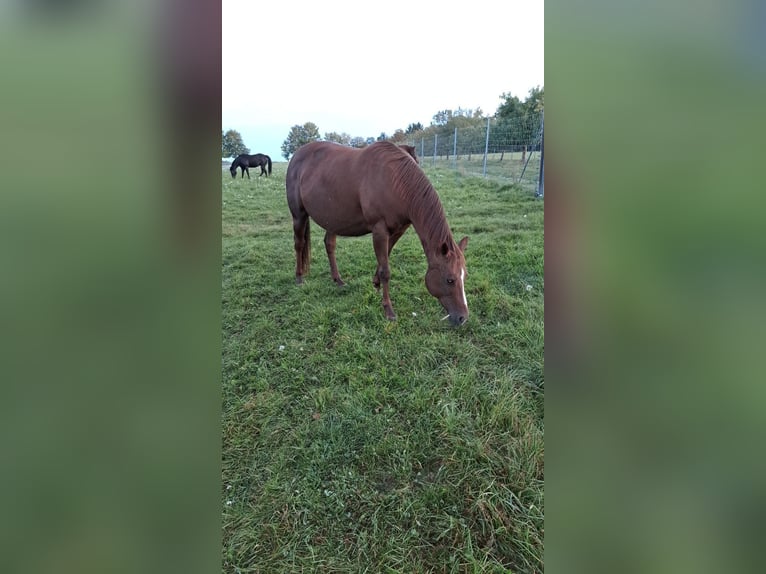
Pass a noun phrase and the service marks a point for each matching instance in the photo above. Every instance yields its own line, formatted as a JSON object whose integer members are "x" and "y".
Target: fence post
{"x": 454, "y": 149}
{"x": 486, "y": 149}
{"x": 433, "y": 162}
{"x": 541, "y": 179}
{"x": 422, "y": 147}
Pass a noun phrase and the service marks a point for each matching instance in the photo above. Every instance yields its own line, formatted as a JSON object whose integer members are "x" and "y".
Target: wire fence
{"x": 508, "y": 150}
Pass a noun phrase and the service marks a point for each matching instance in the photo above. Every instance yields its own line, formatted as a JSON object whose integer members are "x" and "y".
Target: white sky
{"x": 369, "y": 67}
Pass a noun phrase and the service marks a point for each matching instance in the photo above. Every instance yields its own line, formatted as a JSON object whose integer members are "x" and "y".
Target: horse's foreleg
{"x": 391, "y": 242}
{"x": 396, "y": 237}
{"x": 329, "y": 244}
{"x": 380, "y": 239}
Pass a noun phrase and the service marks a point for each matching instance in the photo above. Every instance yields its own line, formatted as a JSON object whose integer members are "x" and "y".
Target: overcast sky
{"x": 369, "y": 67}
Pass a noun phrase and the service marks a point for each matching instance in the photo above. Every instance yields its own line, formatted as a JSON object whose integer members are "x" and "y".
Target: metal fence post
{"x": 541, "y": 179}
{"x": 486, "y": 149}
{"x": 454, "y": 149}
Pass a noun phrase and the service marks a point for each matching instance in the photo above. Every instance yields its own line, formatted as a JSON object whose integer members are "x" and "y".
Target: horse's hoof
{"x": 340, "y": 283}
{"x": 299, "y": 280}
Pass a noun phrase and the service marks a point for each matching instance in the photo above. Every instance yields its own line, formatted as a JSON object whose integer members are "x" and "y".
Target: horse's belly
{"x": 341, "y": 226}
{"x": 333, "y": 216}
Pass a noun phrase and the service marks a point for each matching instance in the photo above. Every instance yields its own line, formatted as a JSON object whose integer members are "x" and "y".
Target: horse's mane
{"x": 412, "y": 185}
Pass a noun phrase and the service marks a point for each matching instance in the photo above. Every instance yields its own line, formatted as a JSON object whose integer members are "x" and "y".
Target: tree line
{"x": 516, "y": 121}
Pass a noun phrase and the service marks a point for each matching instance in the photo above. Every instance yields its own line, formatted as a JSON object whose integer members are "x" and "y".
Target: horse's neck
{"x": 430, "y": 223}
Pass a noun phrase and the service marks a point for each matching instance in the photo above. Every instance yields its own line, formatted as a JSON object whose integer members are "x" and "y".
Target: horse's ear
{"x": 463, "y": 244}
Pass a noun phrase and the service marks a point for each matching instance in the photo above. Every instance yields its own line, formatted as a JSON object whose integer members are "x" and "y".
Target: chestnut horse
{"x": 244, "y": 161}
{"x": 380, "y": 190}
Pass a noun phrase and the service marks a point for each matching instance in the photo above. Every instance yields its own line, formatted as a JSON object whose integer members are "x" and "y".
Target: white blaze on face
{"x": 462, "y": 287}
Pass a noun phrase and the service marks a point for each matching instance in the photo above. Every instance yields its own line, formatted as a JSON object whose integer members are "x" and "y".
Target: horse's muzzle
{"x": 457, "y": 319}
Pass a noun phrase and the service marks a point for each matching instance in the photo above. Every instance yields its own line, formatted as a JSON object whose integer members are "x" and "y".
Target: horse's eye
{"x": 450, "y": 281}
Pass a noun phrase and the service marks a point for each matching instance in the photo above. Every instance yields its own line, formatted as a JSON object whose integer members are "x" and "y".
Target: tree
{"x": 520, "y": 121}
{"x": 342, "y": 138}
{"x": 441, "y": 118}
{"x": 298, "y": 136}
{"x": 398, "y": 137}
{"x": 232, "y": 144}
{"x": 412, "y": 128}
{"x": 458, "y": 118}
{"x": 535, "y": 101}
{"x": 513, "y": 107}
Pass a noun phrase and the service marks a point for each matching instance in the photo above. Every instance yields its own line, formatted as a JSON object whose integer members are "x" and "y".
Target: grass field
{"x": 507, "y": 168}
{"x": 354, "y": 444}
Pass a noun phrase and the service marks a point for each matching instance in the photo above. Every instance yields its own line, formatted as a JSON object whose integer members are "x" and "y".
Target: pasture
{"x": 355, "y": 444}
{"x": 506, "y": 168}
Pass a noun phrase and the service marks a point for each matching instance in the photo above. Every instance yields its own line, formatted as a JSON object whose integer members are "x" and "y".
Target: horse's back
{"x": 347, "y": 191}
{"x": 322, "y": 181}
{"x": 315, "y": 163}
{"x": 317, "y": 153}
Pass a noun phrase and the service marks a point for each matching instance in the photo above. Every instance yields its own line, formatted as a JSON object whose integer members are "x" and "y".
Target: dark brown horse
{"x": 378, "y": 190}
{"x": 245, "y": 161}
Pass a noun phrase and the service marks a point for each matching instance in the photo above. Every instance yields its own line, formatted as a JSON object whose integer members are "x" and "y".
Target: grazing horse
{"x": 379, "y": 190}
{"x": 245, "y": 161}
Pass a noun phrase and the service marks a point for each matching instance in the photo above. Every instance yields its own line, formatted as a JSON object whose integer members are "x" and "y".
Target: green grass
{"x": 507, "y": 168}
{"x": 354, "y": 444}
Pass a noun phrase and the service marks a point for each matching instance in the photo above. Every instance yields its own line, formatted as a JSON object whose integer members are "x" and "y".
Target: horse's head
{"x": 444, "y": 280}
{"x": 233, "y": 171}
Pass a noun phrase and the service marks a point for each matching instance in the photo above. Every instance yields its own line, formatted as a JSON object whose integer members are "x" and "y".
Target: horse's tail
{"x": 268, "y": 158}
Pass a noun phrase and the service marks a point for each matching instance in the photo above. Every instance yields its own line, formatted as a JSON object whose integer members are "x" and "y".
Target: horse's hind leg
{"x": 302, "y": 246}
{"x": 329, "y": 244}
